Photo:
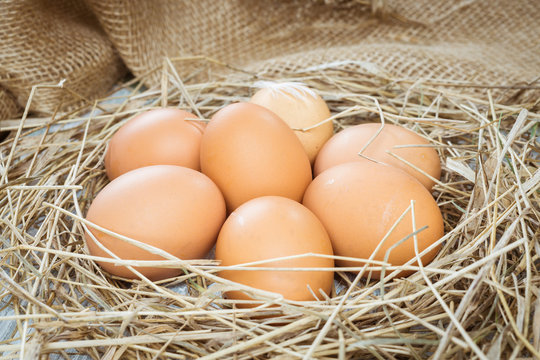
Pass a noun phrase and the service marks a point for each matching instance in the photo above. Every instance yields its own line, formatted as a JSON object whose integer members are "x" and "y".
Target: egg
{"x": 272, "y": 227}
{"x": 300, "y": 107}
{"x": 346, "y": 145}
{"x": 173, "y": 208}
{"x": 359, "y": 202}
{"x": 249, "y": 152}
{"x": 156, "y": 137}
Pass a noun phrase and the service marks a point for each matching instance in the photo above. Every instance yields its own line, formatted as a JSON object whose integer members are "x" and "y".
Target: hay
{"x": 479, "y": 299}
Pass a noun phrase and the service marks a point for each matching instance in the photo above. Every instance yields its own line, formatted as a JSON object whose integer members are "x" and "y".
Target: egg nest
{"x": 479, "y": 298}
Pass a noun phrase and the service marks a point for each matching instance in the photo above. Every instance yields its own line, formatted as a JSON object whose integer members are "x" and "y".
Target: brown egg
{"x": 359, "y": 202}
{"x": 156, "y": 137}
{"x": 272, "y": 227}
{"x": 345, "y": 146}
{"x": 300, "y": 107}
{"x": 248, "y": 151}
{"x": 173, "y": 208}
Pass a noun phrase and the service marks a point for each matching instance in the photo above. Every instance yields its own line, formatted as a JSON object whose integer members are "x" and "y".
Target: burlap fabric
{"x": 45, "y": 42}
{"x": 86, "y": 42}
{"x": 8, "y": 105}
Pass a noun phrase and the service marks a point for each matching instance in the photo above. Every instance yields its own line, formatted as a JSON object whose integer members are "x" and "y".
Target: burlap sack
{"x": 478, "y": 42}
{"x": 483, "y": 41}
{"x": 44, "y": 42}
{"x": 8, "y": 105}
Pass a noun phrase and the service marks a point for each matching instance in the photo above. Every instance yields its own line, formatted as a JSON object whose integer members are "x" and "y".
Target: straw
{"x": 478, "y": 299}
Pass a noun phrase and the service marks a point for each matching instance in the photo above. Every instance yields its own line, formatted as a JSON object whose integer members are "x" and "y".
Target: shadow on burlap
{"x": 89, "y": 44}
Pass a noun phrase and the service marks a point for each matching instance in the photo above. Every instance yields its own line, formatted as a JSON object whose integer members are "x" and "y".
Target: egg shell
{"x": 345, "y": 146}
{"x": 155, "y": 137}
{"x": 300, "y": 107}
{"x": 272, "y": 227}
{"x": 173, "y": 208}
{"x": 359, "y": 202}
{"x": 249, "y": 152}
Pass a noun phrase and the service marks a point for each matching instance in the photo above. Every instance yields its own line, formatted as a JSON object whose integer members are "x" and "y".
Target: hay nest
{"x": 479, "y": 299}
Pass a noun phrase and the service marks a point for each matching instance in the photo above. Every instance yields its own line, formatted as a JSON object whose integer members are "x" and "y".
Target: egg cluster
{"x": 269, "y": 185}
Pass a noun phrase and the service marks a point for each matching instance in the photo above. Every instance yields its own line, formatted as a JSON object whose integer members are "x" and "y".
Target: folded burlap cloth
{"x": 91, "y": 43}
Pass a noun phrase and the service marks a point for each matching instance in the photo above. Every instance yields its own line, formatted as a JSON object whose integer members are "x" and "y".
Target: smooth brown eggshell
{"x": 272, "y": 227}
{"x": 155, "y": 137}
{"x": 248, "y": 151}
{"x": 173, "y": 208}
{"x": 345, "y": 146}
{"x": 358, "y": 203}
{"x": 300, "y": 107}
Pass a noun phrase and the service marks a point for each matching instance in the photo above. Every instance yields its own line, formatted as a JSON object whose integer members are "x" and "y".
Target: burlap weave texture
{"x": 486, "y": 42}
{"x": 46, "y": 42}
